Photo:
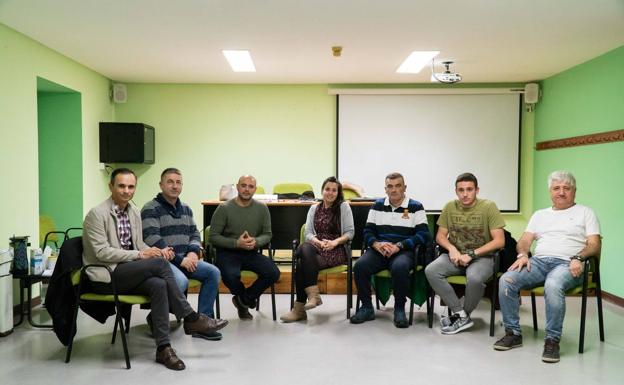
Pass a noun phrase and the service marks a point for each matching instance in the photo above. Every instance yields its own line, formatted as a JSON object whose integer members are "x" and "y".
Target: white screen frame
{"x": 381, "y": 133}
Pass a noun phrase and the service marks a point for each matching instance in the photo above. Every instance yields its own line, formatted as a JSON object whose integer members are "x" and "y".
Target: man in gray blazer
{"x": 113, "y": 237}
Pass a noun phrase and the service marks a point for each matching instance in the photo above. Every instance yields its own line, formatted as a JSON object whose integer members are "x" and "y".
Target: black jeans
{"x": 231, "y": 262}
{"x": 372, "y": 262}
{"x": 153, "y": 278}
{"x": 309, "y": 262}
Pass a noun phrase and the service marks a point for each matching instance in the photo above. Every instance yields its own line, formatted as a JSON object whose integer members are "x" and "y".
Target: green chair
{"x": 77, "y": 278}
{"x": 340, "y": 269}
{"x": 350, "y": 194}
{"x": 212, "y": 258}
{"x": 492, "y": 282}
{"x": 259, "y": 190}
{"x": 591, "y": 280}
{"x": 381, "y": 285}
{"x": 294, "y": 188}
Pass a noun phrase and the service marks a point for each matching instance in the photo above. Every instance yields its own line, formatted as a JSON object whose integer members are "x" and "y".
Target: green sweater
{"x": 231, "y": 220}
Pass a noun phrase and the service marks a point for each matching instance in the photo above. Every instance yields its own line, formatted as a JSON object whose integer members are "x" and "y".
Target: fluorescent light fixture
{"x": 240, "y": 60}
{"x": 416, "y": 61}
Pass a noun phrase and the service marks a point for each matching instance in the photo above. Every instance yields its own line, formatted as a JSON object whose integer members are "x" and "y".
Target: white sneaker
{"x": 448, "y": 320}
{"x": 459, "y": 324}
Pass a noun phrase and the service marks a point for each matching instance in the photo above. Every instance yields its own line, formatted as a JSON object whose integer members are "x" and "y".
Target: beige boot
{"x": 297, "y": 313}
{"x": 314, "y": 297}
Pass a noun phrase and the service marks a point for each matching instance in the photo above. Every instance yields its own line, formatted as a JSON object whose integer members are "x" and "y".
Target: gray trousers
{"x": 153, "y": 278}
{"x": 477, "y": 273}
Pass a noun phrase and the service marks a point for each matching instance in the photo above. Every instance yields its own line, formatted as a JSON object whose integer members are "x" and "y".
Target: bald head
{"x": 246, "y": 188}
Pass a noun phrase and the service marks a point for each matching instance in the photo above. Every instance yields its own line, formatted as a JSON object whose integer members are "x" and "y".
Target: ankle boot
{"x": 314, "y": 297}
{"x": 297, "y": 313}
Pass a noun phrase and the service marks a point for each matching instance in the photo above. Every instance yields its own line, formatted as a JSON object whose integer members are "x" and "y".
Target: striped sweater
{"x": 166, "y": 225}
{"x": 407, "y": 224}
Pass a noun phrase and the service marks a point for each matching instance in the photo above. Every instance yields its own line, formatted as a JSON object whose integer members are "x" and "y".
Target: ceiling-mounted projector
{"x": 445, "y": 77}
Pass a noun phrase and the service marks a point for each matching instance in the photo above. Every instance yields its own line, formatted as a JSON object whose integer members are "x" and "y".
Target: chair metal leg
{"x": 292, "y": 282}
{"x": 127, "y": 319}
{"x": 582, "y": 329}
{"x": 119, "y": 319}
{"x": 493, "y": 305}
{"x": 533, "y": 311}
{"x": 430, "y": 305}
{"x": 218, "y": 306}
{"x": 349, "y": 292}
{"x": 583, "y": 310}
{"x": 599, "y": 302}
{"x": 273, "y": 302}
{"x": 71, "y": 328}
{"x": 411, "y": 316}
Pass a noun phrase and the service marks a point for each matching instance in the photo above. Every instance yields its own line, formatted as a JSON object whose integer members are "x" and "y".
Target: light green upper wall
{"x": 22, "y": 60}
{"x": 215, "y": 133}
{"x": 279, "y": 133}
{"x": 587, "y": 99}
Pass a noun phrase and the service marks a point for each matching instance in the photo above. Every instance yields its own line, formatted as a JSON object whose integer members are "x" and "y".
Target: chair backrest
{"x": 295, "y": 188}
{"x": 350, "y": 194}
{"x": 70, "y": 258}
{"x": 302, "y": 234}
{"x": 259, "y": 190}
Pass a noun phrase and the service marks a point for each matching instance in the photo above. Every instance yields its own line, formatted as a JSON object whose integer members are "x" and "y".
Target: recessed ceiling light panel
{"x": 240, "y": 60}
{"x": 416, "y": 61}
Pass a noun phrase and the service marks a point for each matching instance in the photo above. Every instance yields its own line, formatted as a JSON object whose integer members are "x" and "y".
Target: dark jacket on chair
{"x": 61, "y": 296}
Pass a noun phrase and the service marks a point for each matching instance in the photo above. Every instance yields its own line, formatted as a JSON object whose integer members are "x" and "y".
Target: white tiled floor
{"x": 325, "y": 350}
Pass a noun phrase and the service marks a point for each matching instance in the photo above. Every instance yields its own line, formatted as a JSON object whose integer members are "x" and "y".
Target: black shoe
{"x": 400, "y": 320}
{"x": 214, "y": 336}
{"x": 363, "y": 314}
{"x": 509, "y": 341}
{"x": 241, "y": 307}
{"x": 551, "y": 351}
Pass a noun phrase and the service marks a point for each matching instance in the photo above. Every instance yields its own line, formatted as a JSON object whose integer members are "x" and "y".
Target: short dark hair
{"x": 170, "y": 170}
{"x": 467, "y": 177}
{"x": 395, "y": 175}
{"x": 123, "y": 171}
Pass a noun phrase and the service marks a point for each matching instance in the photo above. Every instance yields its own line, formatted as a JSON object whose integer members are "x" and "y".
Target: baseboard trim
{"x": 614, "y": 299}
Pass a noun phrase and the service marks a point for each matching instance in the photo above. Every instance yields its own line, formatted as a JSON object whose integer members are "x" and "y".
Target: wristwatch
{"x": 472, "y": 254}
{"x": 399, "y": 245}
{"x": 578, "y": 258}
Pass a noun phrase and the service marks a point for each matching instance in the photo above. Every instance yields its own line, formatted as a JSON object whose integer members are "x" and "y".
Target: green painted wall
{"x": 214, "y": 133}
{"x": 22, "y": 60}
{"x": 586, "y": 99}
{"x": 60, "y": 158}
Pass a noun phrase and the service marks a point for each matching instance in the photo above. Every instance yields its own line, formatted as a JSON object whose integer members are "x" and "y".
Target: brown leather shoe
{"x": 168, "y": 357}
{"x": 204, "y": 325}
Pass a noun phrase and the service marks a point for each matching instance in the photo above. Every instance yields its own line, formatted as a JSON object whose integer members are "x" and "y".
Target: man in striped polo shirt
{"x": 394, "y": 227}
{"x": 168, "y": 224}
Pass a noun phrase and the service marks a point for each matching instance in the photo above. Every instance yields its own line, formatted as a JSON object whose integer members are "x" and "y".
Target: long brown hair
{"x": 335, "y": 207}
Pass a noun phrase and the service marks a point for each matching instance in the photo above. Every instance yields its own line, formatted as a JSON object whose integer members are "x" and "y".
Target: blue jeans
{"x": 554, "y": 274}
{"x": 209, "y": 276}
